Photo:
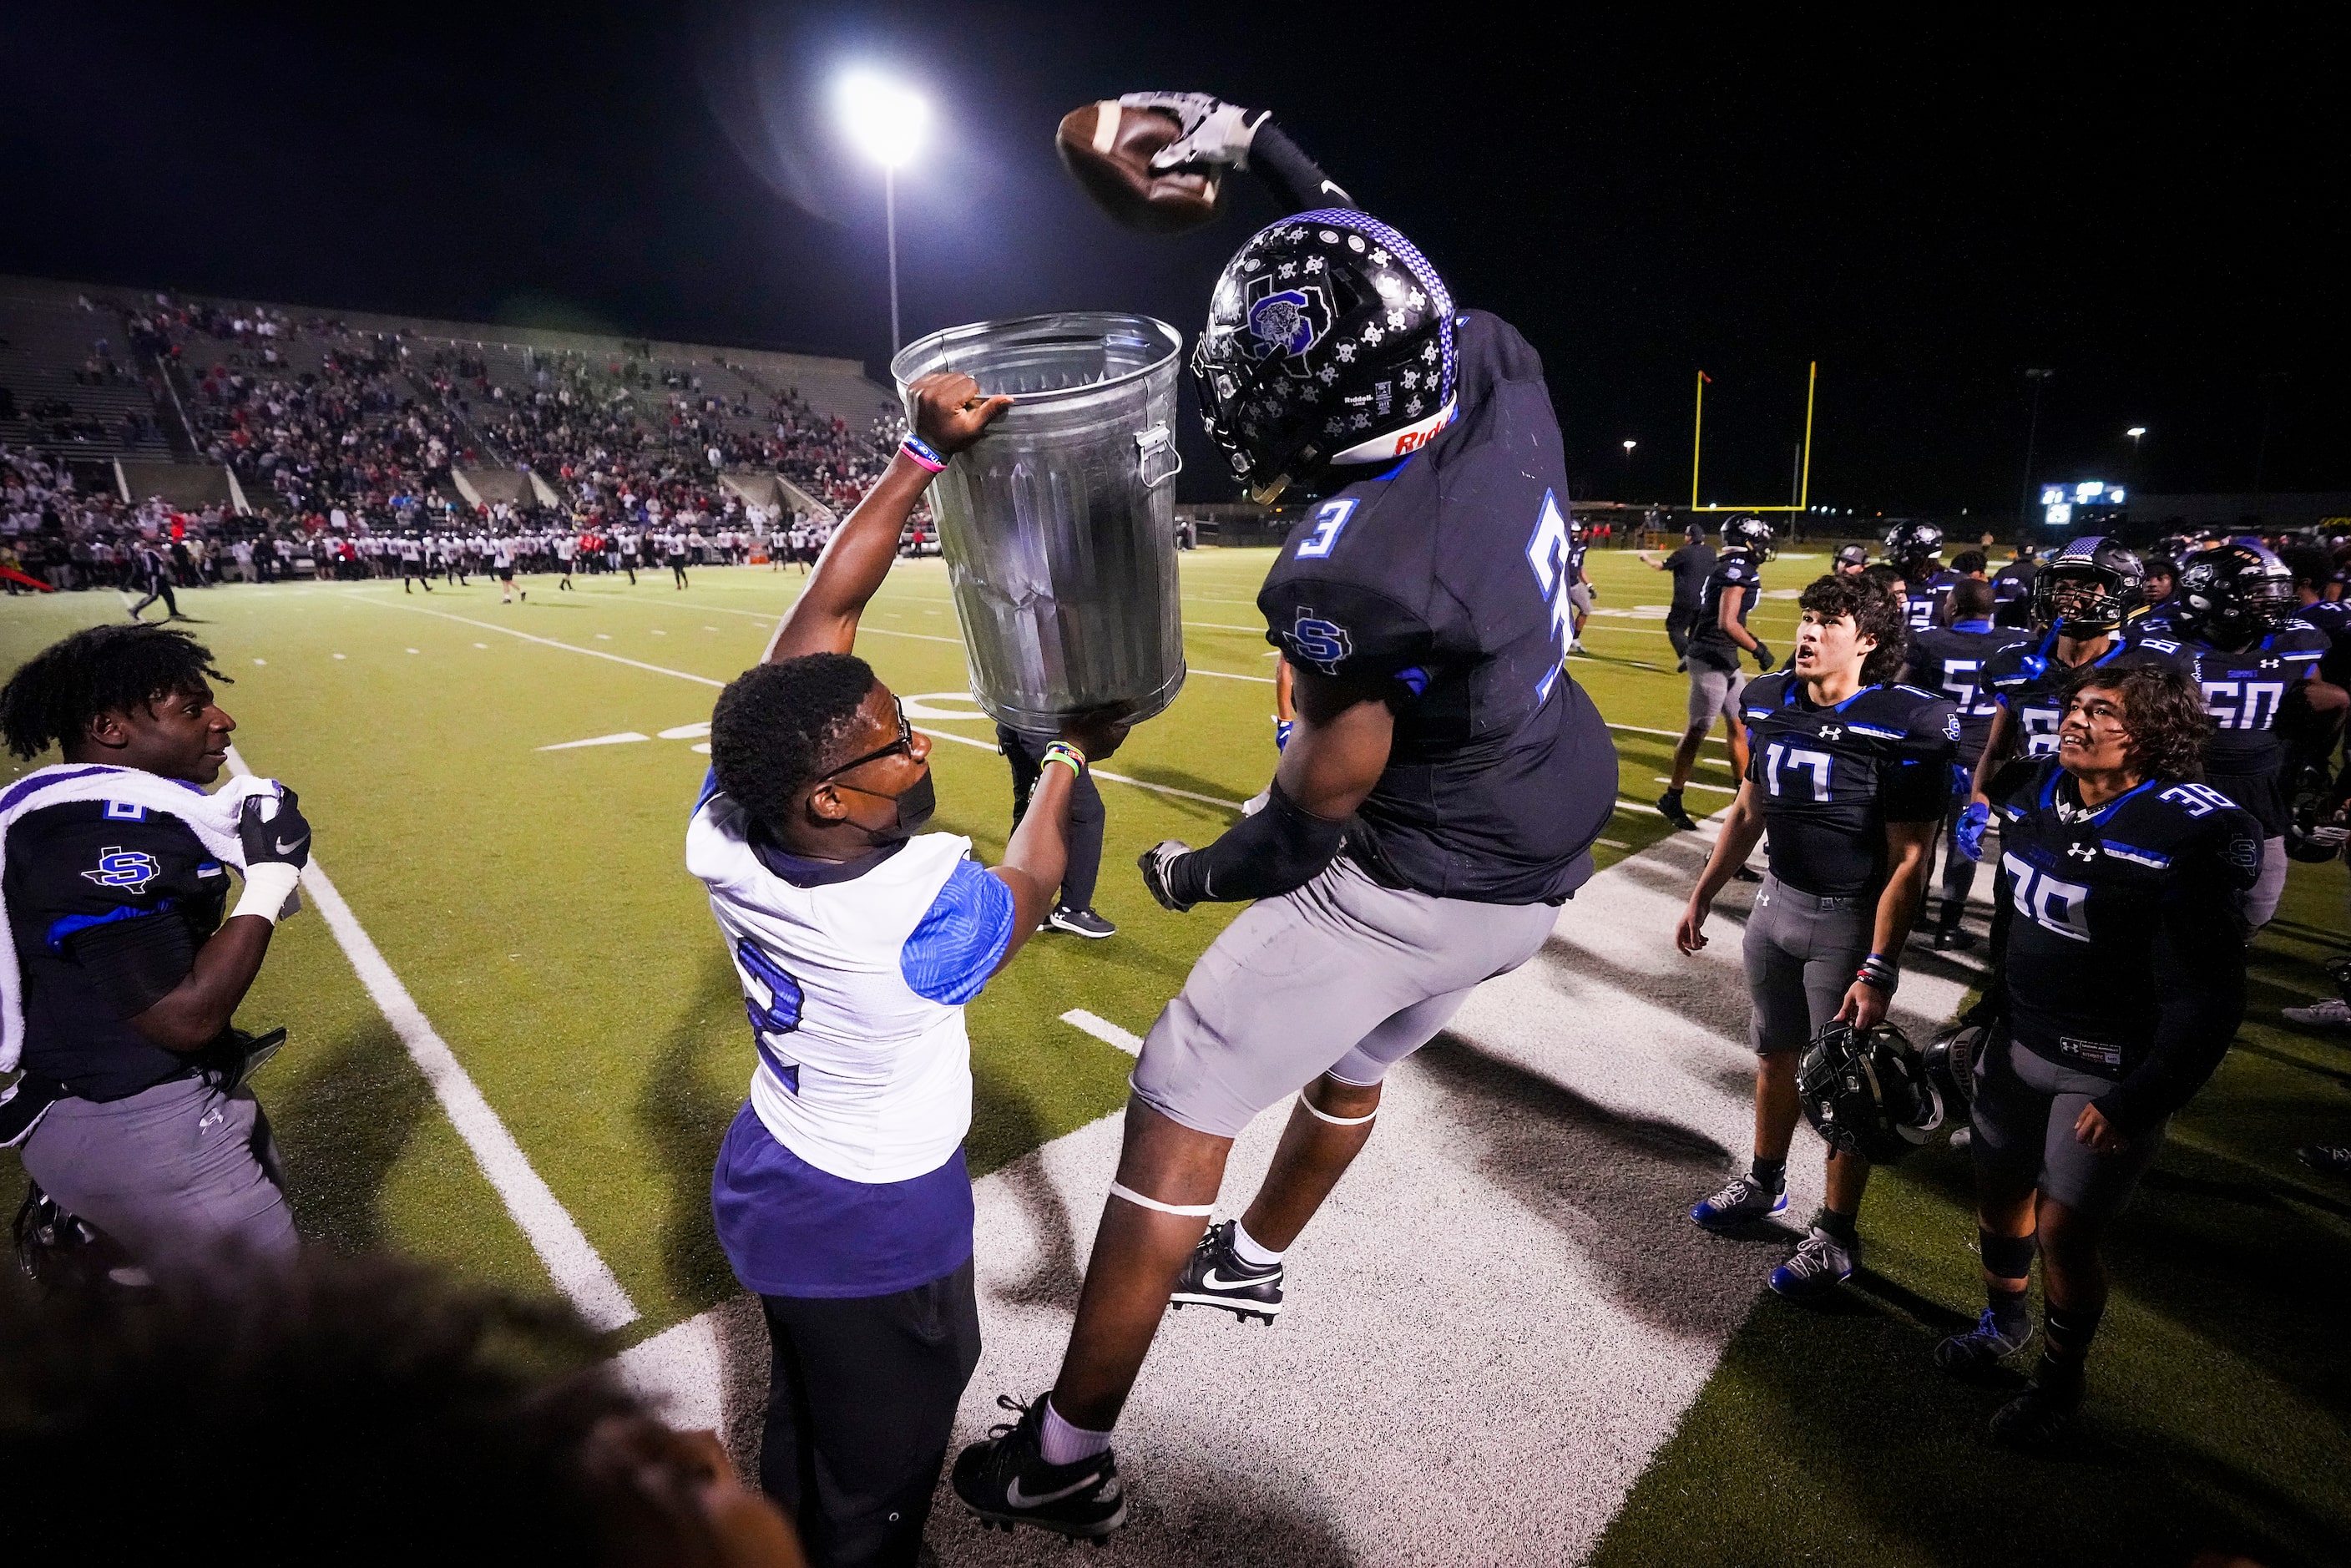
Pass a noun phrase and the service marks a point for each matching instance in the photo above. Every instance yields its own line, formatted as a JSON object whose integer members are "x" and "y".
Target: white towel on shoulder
{"x": 212, "y": 818}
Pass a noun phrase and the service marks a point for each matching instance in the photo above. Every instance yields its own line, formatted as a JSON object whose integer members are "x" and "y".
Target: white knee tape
{"x": 1189, "y": 1210}
{"x": 1321, "y": 1115}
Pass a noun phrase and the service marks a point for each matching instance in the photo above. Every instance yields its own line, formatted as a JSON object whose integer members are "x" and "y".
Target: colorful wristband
{"x": 916, "y": 448}
{"x": 1063, "y": 752}
{"x": 1877, "y": 971}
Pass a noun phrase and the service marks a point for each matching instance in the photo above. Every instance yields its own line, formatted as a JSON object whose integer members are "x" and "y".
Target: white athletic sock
{"x": 1063, "y": 1444}
{"x": 1246, "y": 1247}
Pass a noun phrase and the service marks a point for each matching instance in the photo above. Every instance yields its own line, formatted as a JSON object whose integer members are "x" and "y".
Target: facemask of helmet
{"x": 2231, "y": 594}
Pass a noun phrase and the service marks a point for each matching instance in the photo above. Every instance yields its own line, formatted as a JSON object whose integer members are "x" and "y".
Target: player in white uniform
{"x": 840, "y": 1195}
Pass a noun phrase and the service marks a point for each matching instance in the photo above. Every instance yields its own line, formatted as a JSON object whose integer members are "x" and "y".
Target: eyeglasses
{"x": 902, "y": 746}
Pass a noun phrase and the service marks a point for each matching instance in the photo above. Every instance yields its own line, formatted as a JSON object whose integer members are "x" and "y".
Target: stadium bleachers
{"x": 72, "y": 380}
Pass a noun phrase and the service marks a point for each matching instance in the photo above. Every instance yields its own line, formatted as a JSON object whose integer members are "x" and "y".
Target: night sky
{"x": 2157, "y": 215}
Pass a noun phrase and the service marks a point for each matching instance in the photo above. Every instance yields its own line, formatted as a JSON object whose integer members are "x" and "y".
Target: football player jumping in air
{"x": 1848, "y": 780}
{"x": 2233, "y": 621}
{"x": 1435, "y": 803}
{"x": 841, "y": 1194}
{"x": 1950, "y": 659}
{"x": 2119, "y": 981}
{"x": 1720, "y": 635}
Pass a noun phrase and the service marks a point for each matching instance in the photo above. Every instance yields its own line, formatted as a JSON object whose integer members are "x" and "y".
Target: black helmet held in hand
{"x": 1329, "y": 347}
{"x": 1868, "y": 1092}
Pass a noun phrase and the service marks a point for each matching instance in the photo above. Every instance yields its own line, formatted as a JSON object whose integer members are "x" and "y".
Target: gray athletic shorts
{"x": 1579, "y": 596}
{"x": 1714, "y": 693}
{"x": 1343, "y": 977}
{"x": 1801, "y": 954}
{"x": 174, "y": 1175}
{"x": 2024, "y": 1115}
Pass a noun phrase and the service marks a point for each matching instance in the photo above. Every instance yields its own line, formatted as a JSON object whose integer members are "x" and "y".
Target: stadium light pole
{"x": 886, "y": 121}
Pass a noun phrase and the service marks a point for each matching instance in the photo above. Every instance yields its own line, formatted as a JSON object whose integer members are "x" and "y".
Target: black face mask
{"x": 916, "y": 804}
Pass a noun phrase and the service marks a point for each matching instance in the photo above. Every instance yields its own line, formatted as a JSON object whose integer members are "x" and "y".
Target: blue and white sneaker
{"x": 1821, "y": 1263}
{"x": 1743, "y": 1200}
{"x": 1981, "y": 1350}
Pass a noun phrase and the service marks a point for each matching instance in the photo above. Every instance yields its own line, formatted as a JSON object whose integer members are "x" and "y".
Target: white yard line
{"x": 579, "y": 1272}
{"x": 1103, "y": 1030}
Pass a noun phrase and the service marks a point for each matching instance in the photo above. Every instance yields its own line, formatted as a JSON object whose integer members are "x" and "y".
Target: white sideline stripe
{"x": 620, "y": 739}
{"x": 1103, "y": 1030}
{"x": 1694, "y": 784}
{"x": 578, "y": 1270}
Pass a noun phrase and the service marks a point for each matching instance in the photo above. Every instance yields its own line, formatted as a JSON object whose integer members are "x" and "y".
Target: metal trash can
{"x": 1059, "y": 525}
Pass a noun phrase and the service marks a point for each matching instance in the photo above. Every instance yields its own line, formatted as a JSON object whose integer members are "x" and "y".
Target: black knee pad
{"x": 2005, "y": 1257}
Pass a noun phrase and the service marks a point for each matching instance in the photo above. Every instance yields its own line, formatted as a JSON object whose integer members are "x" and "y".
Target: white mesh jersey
{"x": 859, "y": 1074}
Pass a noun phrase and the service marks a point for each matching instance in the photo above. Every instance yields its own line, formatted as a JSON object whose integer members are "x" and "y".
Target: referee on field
{"x": 128, "y": 963}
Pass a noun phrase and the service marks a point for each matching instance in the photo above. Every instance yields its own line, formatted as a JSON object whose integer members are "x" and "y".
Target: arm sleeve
{"x": 961, "y": 938}
{"x": 1295, "y": 181}
{"x": 2200, "y": 966}
{"x": 1274, "y": 851}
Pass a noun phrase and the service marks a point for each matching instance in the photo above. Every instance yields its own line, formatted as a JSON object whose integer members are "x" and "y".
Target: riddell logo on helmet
{"x": 1421, "y": 436}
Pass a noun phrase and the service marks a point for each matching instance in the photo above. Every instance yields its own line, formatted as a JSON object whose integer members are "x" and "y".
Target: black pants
{"x": 860, "y": 1402}
{"x": 1026, "y": 755}
{"x": 1679, "y": 622}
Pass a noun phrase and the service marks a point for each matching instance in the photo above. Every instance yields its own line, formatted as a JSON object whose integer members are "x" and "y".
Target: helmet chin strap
{"x": 1264, "y": 495}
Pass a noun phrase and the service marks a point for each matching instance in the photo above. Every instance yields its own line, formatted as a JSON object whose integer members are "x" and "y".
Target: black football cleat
{"x": 1670, "y": 807}
{"x": 2036, "y": 1420}
{"x": 1006, "y": 1480}
{"x": 1214, "y": 1276}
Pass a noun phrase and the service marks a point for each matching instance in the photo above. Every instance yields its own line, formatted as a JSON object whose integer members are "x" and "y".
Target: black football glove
{"x": 1762, "y": 656}
{"x": 1154, "y": 863}
{"x": 273, "y": 828}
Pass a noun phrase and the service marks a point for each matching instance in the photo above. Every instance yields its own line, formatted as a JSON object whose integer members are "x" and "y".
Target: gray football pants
{"x": 1343, "y": 976}
{"x": 176, "y": 1175}
{"x": 1800, "y": 954}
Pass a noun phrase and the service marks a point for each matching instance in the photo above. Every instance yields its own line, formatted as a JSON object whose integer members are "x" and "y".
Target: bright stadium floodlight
{"x": 886, "y": 121}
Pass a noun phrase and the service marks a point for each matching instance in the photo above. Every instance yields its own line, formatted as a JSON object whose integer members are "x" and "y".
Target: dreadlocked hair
{"x": 53, "y": 697}
{"x": 1875, "y": 614}
{"x": 2163, "y": 713}
{"x": 776, "y": 725}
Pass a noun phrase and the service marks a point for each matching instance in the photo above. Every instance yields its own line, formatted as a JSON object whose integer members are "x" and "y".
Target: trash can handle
{"x": 1154, "y": 452}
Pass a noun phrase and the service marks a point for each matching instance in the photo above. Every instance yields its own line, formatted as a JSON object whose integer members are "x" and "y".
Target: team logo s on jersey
{"x": 1952, "y": 725}
{"x": 1320, "y": 643}
{"x": 2245, "y": 853}
{"x": 129, "y": 869}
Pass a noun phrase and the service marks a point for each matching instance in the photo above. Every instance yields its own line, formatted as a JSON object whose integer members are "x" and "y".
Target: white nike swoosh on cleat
{"x": 1015, "y": 1498}
{"x": 1212, "y": 1280}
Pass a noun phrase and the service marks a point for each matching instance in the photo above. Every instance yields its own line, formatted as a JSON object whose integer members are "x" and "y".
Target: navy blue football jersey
{"x": 108, "y": 902}
{"x": 2242, "y": 692}
{"x": 2122, "y": 946}
{"x": 1709, "y": 644}
{"x": 1950, "y": 660}
{"x": 1830, "y": 779}
{"x": 2025, "y": 678}
{"x": 2332, "y": 617}
{"x": 1447, "y": 577}
{"x": 1925, "y": 599}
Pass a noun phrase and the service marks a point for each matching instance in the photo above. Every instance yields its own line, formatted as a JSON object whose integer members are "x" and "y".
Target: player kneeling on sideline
{"x": 1847, "y": 781}
{"x": 131, "y": 1110}
{"x": 841, "y": 1194}
{"x": 2118, "y": 937}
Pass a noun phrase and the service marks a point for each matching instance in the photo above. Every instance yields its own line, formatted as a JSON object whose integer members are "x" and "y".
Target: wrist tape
{"x": 268, "y": 887}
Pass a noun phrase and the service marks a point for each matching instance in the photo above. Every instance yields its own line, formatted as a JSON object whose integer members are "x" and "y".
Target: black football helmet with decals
{"x": 1329, "y": 348}
{"x": 1868, "y": 1092}
{"x": 1911, "y": 545}
{"x": 2089, "y": 588}
{"x": 1746, "y": 531}
{"x": 2230, "y": 594}
{"x": 1950, "y": 1061}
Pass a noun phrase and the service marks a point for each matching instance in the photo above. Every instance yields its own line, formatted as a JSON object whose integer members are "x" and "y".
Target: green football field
{"x": 529, "y": 893}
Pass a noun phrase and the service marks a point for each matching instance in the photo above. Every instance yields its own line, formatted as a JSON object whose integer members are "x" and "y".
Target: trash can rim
{"x": 902, "y": 362}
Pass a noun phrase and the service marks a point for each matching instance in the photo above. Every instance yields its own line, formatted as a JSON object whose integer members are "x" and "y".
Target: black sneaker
{"x": 1214, "y": 1276}
{"x": 1951, "y": 940}
{"x": 1007, "y": 1481}
{"x": 1981, "y": 1351}
{"x": 1670, "y": 807}
{"x": 2332, "y": 1159}
{"x": 2036, "y": 1420}
{"x": 1083, "y": 922}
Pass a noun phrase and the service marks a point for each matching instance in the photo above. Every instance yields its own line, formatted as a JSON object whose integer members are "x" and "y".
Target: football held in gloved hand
{"x": 1109, "y": 147}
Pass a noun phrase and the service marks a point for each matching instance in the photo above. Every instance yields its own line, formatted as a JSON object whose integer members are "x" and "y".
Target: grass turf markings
{"x": 578, "y": 1270}
{"x": 1103, "y": 1030}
